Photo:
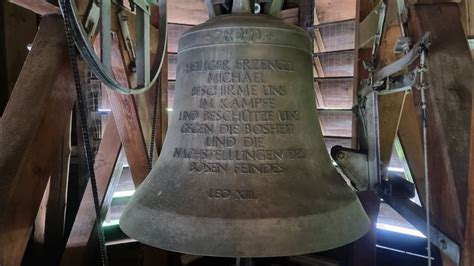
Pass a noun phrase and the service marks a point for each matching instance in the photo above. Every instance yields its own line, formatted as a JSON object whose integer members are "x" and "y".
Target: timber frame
{"x": 39, "y": 112}
{"x": 450, "y": 80}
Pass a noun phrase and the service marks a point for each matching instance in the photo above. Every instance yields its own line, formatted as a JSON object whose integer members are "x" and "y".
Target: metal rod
{"x": 416, "y": 216}
{"x": 425, "y": 152}
{"x": 143, "y": 46}
{"x": 105, "y": 35}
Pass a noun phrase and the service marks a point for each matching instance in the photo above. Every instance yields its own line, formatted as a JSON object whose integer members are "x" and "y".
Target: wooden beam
{"x": 50, "y": 222}
{"x": 390, "y": 105}
{"x": 143, "y": 102}
{"x": 390, "y": 113}
{"x": 410, "y": 138}
{"x": 18, "y": 30}
{"x": 365, "y": 7}
{"x": 187, "y": 12}
{"x": 386, "y": 55}
{"x": 290, "y": 15}
{"x": 443, "y": 205}
{"x": 40, "y": 7}
{"x": 330, "y": 11}
{"x": 469, "y": 11}
{"x": 368, "y": 29}
{"x": 4, "y": 92}
{"x": 127, "y": 120}
{"x": 38, "y": 109}
{"x": 82, "y": 229}
{"x": 39, "y": 239}
{"x": 449, "y": 104}
{"x": 468, "y": 249}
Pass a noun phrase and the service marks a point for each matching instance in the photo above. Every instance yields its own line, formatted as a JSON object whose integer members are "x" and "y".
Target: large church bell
{"x": 244, "y": 171}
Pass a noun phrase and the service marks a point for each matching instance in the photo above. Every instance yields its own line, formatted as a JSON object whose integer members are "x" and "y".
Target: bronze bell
{"x": 244, "y": 171}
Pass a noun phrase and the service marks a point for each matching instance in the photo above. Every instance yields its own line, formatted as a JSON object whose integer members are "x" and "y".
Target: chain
{"x": 153, "y": 122}
{"x": 85, "y": 135}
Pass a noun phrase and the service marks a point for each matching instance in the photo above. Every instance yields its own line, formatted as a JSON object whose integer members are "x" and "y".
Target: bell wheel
{"x": 136, "y": 25}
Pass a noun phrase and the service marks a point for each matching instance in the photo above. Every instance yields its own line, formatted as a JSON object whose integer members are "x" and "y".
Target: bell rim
{"x": 356, "y": 225}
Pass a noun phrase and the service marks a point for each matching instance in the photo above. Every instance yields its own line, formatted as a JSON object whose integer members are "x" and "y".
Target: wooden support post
{"x": 49, "y": 238}
{"x": 38, "y": 109}
{"x": 450, "y": 80}
{"x": 4, "y": 92}
{"x": 390, "y": 105}
{"x": 127, "y": 120}
{"x": 410, "y": 138}
{"x": 105, "y": 163}
{"x": 390, "y": 113}
{"x": 468, "y": 249}
{"x": 40, "y": 7}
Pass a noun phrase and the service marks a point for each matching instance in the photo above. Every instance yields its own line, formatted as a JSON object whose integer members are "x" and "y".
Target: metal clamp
{"x": 405, "y": 61}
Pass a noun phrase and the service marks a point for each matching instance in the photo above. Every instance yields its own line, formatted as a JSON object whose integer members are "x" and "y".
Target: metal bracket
{"x": 403, "y": 82}
{"x": 405, "y": 61}
{"x": 92, "y": 20}
{"x": 402, "y": 45}
{"x": 354, "y": 165}
{"x": 373, "y": 140}
{"x": 381, "y": 10}
{"x": 363, "y": 168}
{"x": 127, "y": 39}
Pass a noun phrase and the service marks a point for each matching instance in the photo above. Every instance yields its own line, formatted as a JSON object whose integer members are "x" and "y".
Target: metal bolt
{"x": 258, "y": 8}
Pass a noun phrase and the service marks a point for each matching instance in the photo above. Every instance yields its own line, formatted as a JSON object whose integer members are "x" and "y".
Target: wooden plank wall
{"x": 333, "y": 61}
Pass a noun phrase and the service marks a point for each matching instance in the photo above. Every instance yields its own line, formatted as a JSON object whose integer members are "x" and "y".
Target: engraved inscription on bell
{"x": 237, "y": 109}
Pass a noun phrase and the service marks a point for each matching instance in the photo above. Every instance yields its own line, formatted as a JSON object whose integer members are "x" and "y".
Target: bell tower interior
{"x": 236, "y": 132}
